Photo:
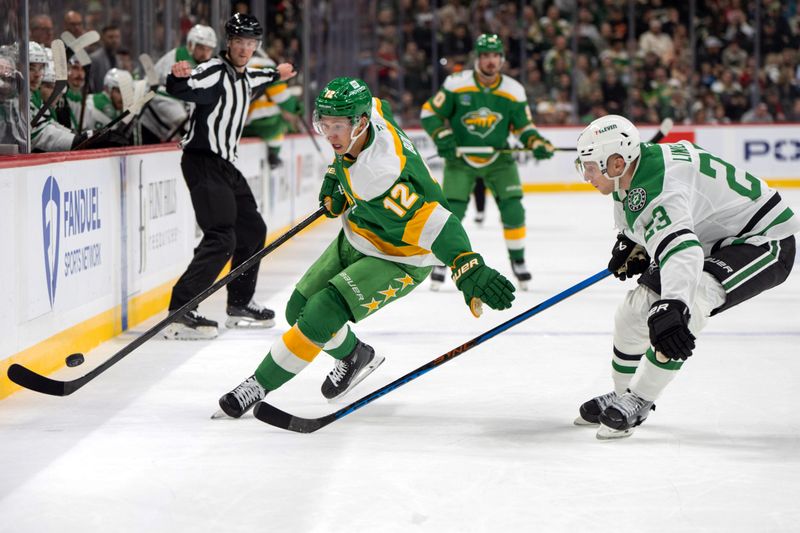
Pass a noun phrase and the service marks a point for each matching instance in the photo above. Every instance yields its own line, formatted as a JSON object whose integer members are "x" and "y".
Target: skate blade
{"x": 436, "y": 285}
{"x": 523, "y": 285}
{"x": 607, "y": 433}
{"x": 248, "y": 323}
{"x": 219, "y": 414}
{"x": 366, "y": 371}
{"x": 580, "y": 421}
{"x": 175, "y": 332}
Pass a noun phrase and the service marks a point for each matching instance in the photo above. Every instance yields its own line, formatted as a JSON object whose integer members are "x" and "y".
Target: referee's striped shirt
{"x": 222, "y": 97}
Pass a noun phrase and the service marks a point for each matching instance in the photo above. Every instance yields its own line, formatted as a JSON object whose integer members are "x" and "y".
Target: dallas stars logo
{"x": 481, "y": 122}
{"x": 637, "y": 198}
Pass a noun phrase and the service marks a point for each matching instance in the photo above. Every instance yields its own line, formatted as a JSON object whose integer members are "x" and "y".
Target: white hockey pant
{"x": 630, "y": 370}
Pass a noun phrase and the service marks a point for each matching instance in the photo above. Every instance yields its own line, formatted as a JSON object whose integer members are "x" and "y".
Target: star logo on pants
{"x": 372, "y": 306}
{"x": 391, "y": 292}
{"x": 406, "y": 281}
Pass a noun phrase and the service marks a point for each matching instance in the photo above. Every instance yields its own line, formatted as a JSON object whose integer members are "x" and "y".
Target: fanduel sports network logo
{"x": 51, "y": 226}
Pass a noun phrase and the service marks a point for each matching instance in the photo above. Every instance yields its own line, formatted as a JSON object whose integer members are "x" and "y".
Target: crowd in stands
{"x": 598, "y": 63}
{"x": 578, "y": 59}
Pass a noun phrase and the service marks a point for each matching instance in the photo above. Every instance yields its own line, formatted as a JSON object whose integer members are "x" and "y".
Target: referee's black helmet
{"x": 242, "y": 25}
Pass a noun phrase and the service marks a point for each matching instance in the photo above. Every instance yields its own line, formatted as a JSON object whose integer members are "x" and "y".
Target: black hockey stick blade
{"x": 275, "y": 417}
{"x": 36, "y": 382}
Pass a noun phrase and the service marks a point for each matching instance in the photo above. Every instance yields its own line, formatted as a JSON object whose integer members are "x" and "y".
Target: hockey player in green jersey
{"x": 272, "y": 114}
{"x": 395, "y": 227}
{"x": 704, "y": 235}
{"x": 478, "y": 109}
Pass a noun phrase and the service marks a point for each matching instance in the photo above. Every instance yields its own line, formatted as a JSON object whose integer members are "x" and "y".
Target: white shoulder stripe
{"x": 459, "y": 80}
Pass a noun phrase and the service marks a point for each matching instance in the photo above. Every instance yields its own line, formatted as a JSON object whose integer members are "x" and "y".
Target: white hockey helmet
{"x": 49, "y": 75}
{"x": 115, "y": 76}
{"x": 36, "y": 53}
{"x": 200, "y": 34}
{"x": 604, "y": 137}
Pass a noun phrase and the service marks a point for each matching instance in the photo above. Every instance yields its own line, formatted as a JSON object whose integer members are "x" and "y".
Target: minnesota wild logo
{"x": 636, "y": 199}
{"x": 481, "y": 122}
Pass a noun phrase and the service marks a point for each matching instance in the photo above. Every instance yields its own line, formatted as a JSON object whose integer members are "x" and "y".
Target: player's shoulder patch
{"x": 511, "y": 89}
{"x": 459, "y": 80}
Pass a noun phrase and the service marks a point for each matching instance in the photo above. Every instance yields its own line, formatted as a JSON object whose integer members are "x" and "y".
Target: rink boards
{"x": 95, "y": 241}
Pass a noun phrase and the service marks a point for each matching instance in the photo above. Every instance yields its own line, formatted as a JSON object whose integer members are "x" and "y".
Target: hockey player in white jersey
{"x": 704, "y": 235}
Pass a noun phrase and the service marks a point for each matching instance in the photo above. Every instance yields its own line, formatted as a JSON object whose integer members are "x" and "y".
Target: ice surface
{"x": 483, "y": 443}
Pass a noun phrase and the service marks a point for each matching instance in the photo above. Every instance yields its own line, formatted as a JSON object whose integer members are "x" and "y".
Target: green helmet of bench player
{"x": 487, "y": 43}
{"x": 344, "y": 97}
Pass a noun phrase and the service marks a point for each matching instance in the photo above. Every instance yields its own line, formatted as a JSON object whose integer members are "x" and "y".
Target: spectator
{"x": 658, "y": 42}
{"x": 105, "y": 57}
{"x": 42, "y": 30}
{"x": 73, "y": 23}
{"x": 758, "y": 115}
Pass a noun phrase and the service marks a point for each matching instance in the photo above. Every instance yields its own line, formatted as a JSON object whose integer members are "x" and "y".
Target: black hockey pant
{"x": 232, "y": 226}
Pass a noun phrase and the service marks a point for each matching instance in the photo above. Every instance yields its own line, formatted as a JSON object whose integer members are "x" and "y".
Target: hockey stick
{"x": 134, "y": 109}
{"x": 39, "y": 383}
{"x": 78, "y": 47}
{"x": 281, "y": 419}
{"x": 663, "y": 131}
{"x": 60, "y": 68}
{"x": 150, "y": 73}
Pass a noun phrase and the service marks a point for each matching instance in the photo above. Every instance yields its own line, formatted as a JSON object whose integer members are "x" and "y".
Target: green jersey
{"x": 102, "y": 102}
{"x": 480, "y": 115}
{"x": 397, "y": 210}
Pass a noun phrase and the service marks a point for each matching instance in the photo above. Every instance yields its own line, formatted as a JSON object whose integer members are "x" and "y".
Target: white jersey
{"x": 684, "y": 203}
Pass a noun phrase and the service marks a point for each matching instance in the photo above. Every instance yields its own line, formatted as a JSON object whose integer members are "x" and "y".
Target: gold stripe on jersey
{"x": 384, "y": 247}
{"x": 417, "y": 223}
{"x": 349, "y": 182}
{"x": 398, "y": 145}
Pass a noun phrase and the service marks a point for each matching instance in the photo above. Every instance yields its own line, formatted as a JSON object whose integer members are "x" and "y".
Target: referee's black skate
{"x": 252, "y": 315}
{"x": 438, "y": 275}
{"x": 351, "y": 370}
{"x": 241, "y": 399}
{"x": 521, "y": 273}
{"x": 619, "y": 419}
{"x": 590, "y": 411}
{"x": 191, "y": 327}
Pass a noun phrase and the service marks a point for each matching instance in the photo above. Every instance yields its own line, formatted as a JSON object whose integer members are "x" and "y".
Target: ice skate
{"x": 251, "y": 316}
{"x": 241, "y": 399}
{"x": 480, "y": 216}
{"x": 351, "y": 370}
{"x": 521, "y": 273}
{"x": 438, "y": 275}
{"x": 590, "y": 410}
{"x": 619, "y": 419}
{"x": 191, "y": 327}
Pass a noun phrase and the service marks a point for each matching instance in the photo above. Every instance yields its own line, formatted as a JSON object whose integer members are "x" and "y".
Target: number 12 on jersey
{"x": 406, "y": 198}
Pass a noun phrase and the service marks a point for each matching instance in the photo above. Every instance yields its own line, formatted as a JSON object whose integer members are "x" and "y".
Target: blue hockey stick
{"x": 281, "y": 419}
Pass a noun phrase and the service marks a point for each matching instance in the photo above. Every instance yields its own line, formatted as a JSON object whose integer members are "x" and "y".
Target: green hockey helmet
{"x": 489, "y": 42}
{"x": 344, "y": 97}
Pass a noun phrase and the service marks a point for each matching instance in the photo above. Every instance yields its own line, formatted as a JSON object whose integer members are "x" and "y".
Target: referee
{"x": 221, "y": 89}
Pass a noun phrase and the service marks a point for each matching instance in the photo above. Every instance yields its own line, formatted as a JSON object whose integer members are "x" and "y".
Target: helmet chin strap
{"x": 354, "y": 138}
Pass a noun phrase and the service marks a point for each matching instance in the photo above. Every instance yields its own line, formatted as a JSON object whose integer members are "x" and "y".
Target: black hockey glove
{"x": 628, "y": 259}
{"x": 332, "y": 196}
{"x": 668, "y": 321}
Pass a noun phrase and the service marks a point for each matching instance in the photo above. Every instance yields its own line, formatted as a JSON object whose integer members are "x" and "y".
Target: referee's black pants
{"x": 232, "y": 226}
